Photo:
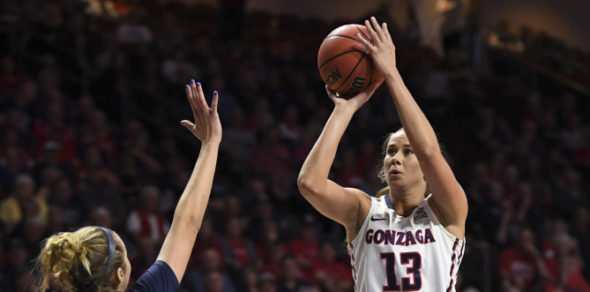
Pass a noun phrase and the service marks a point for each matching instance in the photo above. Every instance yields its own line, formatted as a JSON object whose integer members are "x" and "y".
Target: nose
{"x": 396, "y": 159}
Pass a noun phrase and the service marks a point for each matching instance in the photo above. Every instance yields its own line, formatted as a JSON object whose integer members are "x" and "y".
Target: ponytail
{"x": 83, "y": 260}
{"x": 381, "y": 192}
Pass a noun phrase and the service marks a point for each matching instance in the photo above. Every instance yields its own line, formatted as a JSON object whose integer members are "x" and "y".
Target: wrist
{"x": 392, "y": 74}
{"x": 212, "y": 143}
{"x": 341, "y": 109}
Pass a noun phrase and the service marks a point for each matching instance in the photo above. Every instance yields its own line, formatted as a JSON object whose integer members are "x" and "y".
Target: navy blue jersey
{"x": 158, "y": 278}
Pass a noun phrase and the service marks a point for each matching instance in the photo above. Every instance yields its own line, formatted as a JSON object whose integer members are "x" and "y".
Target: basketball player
{"x": 95, "y": 259}
{"x": 411, "y": 239}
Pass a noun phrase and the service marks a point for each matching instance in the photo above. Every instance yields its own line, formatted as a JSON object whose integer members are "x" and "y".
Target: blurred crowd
{"x": 542, "y": 51}
{"x": 90, "y": 103}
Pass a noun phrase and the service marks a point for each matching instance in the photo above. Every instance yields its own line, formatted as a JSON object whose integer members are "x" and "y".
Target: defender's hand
{"x": 207, "y": 126}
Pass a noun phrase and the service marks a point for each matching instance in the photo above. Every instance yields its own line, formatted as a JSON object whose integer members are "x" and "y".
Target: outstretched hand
{"x": 381, "y": 48}
{"x": 206, "y": 126}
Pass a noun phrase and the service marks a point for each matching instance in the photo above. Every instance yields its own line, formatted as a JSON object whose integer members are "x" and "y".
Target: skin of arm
{"x": 347, "y": 206}
{"x": 448, "y": 198}
{"x": 190, "y": 209}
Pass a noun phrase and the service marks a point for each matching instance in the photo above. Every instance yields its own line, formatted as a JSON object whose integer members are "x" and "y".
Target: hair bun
{"x": 68, "y": 244}
{"x": 63, "y": 252}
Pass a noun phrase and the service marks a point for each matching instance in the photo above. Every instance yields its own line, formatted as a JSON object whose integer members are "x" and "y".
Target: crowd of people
{"x": 89, "y": 112}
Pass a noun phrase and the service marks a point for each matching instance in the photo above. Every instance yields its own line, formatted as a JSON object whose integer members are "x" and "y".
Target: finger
{"x": 192, "y": 94}
{"x": 187, "y": 124}
{"x": 201, "y": 96}
{"x": 195, "y": 96}
{"x": 189, "y": 97}
{"x": 193, "y": 91}
{"x": 215, "y": 101}
{"x": 377, "y": 28}
{"x": 375, "y": 24}
{"x": 372, "y": 32}
{"x": 363, "y": 40}
{"x": 331, "y": 93}
{"x": 187, "y": 89}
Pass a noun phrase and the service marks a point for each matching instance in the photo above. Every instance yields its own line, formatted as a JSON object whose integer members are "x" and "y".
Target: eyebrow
{"x": 403, "y": 146}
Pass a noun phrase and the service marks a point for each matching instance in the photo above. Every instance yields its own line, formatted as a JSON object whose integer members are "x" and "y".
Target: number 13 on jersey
{"x": 412, "y": 261}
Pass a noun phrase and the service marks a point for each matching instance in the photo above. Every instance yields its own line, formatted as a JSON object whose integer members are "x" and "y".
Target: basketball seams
{"x": 344, "y": 36}
{"x": 339, "y": 55}
{"x": 363, "y": 34}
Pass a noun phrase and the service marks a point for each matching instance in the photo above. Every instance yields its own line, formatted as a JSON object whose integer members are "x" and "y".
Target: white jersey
{"x": 395, "y": 253}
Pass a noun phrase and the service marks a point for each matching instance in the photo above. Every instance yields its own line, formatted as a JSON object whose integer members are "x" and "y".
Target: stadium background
{"x": 91, "y": 93}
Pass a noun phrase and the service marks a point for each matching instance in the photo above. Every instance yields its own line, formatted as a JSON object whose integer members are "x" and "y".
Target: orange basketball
{"x": 344, "y": 63}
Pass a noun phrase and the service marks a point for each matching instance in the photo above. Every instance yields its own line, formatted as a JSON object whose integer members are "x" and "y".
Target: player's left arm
{"x": 447, "y": 195}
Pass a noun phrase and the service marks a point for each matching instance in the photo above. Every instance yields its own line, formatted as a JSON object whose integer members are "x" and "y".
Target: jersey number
{"x": 415, "y": 284}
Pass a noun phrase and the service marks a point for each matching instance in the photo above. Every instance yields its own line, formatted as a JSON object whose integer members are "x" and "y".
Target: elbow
{"x": 307, "y": 186}
{"x": 190, "y": 223}
{"x": 193, "y": 225}
{"x": 303, "y": 183}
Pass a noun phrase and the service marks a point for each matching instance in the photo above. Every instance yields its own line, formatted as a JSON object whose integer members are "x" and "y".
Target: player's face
{"x": 400, "y": 165}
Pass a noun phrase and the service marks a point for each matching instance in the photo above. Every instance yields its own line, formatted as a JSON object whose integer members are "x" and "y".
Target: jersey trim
{"x": 388, "y": 202}
{"x": 453, "y": 258}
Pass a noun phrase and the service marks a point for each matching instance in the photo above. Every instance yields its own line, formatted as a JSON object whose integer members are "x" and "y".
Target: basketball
{"x": 344, "y": 63}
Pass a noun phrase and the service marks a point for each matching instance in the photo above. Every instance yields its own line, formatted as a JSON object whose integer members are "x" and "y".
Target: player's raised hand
{"x": 382, "y": 50}
{"x": 356, "y": 101}
{"x": 206, "y": 126}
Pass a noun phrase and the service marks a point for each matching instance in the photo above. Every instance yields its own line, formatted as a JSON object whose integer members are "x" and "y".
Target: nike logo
{"x": 377, "y": 219}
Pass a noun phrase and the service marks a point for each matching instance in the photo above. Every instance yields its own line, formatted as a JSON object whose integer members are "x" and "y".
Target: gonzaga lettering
{"x": 405, "y": 251}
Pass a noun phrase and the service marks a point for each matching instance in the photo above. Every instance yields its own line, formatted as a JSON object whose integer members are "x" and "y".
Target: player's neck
{"x": 406, "y": 200}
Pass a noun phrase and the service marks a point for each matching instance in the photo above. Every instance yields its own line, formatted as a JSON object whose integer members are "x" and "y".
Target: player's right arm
{"x": 346, "y": 206}
{"x": 189, "y": 212}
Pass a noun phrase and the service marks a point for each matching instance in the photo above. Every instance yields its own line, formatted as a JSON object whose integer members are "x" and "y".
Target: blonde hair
{"x": 76, "y": 261}
{"x": 382, "y": 192}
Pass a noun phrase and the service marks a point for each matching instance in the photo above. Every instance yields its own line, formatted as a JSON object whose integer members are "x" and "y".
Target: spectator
{"x": 330, "y": 274}
{"x": 16, "y": 263}
{"x": 208, "y": 239}
{"x": 304, "y": 248}
{"x": 147, "y": 221}
{"x": 290, "y": 276}
{"x": 565, "y": 266}
{"x": 22, "y": 204}
{"x": 209, "y": 277}
{"x": 238, "y": 250}
{"x": 521, "y": 265}
{"x": 267, "y": 283}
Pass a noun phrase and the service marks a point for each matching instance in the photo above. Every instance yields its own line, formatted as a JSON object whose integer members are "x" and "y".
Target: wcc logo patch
{"x": 420, "y": 213}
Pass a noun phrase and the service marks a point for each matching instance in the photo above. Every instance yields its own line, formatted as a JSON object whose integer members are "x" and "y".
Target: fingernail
{"x": 186, "y": 86}
{"x": 193, "y": 81}
{"x": 215, "y": 92}
{"x": 198, "y": 84}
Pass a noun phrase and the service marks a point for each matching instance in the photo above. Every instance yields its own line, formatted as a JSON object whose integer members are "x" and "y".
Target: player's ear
{"x": 120, "y": 274}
